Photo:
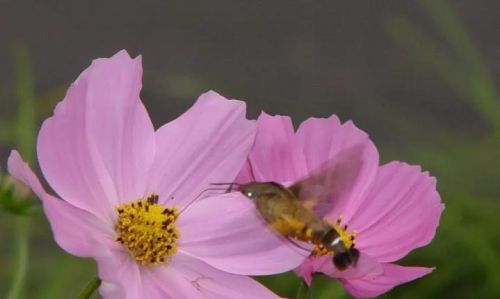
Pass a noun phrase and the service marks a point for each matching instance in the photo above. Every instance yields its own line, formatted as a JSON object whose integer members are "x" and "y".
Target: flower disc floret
{"x": 347, "y": 237}
{"x": 148, "y": 230}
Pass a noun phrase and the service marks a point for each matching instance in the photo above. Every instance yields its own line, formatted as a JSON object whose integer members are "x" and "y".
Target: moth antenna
{"x": 229, "y": 185}
{"x": 200, "y": 194}
{"x": 222, "y": 184}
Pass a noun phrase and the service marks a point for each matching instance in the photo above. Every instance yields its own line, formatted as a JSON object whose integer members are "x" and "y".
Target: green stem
{"x": 22, "y": 248}
{"x": 303, "y": 291}
{"x": 89, "y": 289}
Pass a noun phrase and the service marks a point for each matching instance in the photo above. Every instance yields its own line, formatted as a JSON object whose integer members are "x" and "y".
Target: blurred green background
{"x": 419, "y": 76}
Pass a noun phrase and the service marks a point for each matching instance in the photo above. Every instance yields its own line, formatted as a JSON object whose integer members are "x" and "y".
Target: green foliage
{"x": 466, "y": 247}
{"x": 460, "y": 64}
{"x": 12, "y": 203}
{"x": 25, "y": 129}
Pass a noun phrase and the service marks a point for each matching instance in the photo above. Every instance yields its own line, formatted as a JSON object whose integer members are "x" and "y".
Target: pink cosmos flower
{"x": 384, "y": 212}
{"x": 126, "y": 194}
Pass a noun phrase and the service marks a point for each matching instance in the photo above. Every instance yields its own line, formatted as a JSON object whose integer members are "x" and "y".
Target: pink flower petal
{"x": 275, "y": 155}
{"x": 311, "y": 266}
{"x": 400, "y": 212}
{"x": 121, "y": 277}
{"x": 207, "y": 144}
{"x": 188, "y": 278}
{"x": 119, "y": 123}
{"x": 393, "y": 275}
{"x": 366, "y": 267}
{"x": 325, "y": 139}
{"x": 97, "y": 148}
{"x": 76, "y": 231}
{"x": 227, "y": 233}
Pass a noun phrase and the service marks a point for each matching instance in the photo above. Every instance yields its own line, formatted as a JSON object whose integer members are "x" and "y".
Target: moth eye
{"x": 249, "y": 194}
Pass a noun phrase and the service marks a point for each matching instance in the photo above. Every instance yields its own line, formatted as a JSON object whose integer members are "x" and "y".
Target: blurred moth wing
{"x": 329, "y": 184}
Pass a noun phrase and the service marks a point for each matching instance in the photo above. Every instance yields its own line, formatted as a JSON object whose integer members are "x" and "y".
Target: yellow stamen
{"x": 347, "y": 237}
{"x": 147, "y": 229}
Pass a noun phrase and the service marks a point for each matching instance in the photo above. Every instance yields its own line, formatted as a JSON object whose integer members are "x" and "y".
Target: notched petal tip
{"x": 98, "y": 146}
{"x": 264, "y": 115}
{"x": 120, "y": 57}
{"x": 214, "y": 98}
{"x": 401, "y": 212}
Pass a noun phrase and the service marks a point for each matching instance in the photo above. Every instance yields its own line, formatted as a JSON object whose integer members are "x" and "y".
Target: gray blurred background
{"x": 301, "y": 58}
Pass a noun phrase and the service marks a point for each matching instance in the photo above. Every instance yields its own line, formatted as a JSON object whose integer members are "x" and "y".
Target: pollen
{"x": 347, "y": 237}
{"x": 147, "y": 229}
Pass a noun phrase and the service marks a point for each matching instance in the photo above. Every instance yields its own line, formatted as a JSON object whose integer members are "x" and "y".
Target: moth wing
{"x": 322, "y": 189}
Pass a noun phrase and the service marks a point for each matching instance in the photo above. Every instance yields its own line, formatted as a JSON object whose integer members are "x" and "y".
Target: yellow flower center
{"x": 347, "y": 237}
{"x": 147, "y": 229}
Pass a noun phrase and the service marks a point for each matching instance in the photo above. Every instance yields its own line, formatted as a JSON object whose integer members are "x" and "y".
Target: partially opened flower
{"x": 383, "y": 212}
{"x": 129, "y": 197}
